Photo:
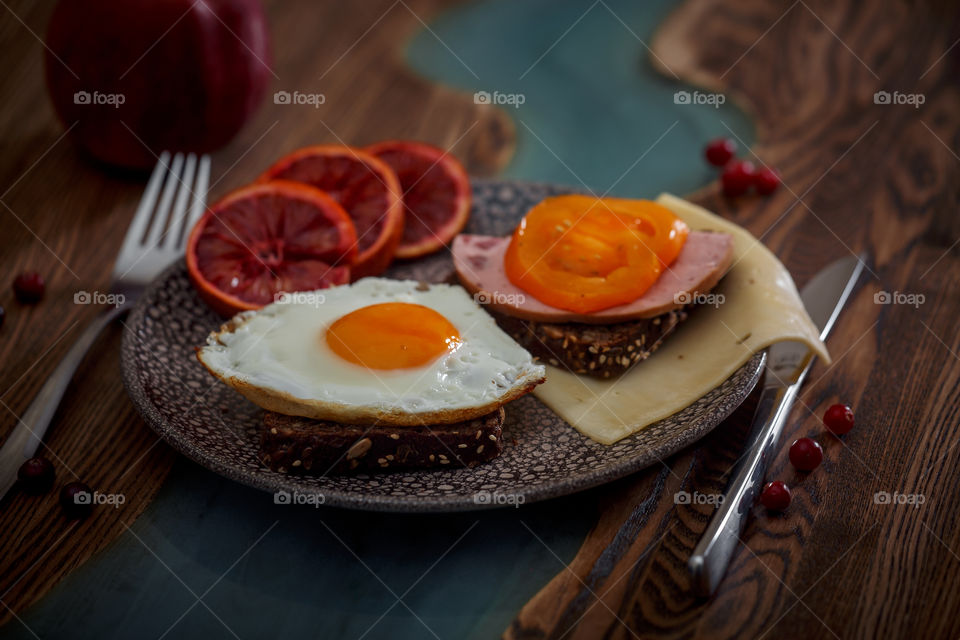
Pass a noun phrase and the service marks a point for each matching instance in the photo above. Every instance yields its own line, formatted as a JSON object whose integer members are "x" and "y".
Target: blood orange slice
{"x": 436, "y": 194}
{"x": 366, "y": 188}
{"x": 268, "y": 238}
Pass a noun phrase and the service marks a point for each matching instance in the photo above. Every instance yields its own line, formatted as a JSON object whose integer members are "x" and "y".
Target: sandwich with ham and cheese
{"x": 593, "y": 285}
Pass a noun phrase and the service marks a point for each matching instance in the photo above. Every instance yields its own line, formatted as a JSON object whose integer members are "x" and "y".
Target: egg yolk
{"x": 392, "y": 335}
{"x": 586, "y": 254}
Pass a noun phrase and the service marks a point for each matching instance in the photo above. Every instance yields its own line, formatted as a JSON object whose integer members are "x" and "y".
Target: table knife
{"x": 787, "y": 366}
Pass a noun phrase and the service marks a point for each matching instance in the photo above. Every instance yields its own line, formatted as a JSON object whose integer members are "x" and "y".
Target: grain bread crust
{"x": 602, "y": 351}
{"x": 299, "y": 445}
{"x": 285, "y": 403}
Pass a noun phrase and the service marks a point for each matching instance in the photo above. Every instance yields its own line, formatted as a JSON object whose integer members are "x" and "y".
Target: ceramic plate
{"x": 543, "y": 456}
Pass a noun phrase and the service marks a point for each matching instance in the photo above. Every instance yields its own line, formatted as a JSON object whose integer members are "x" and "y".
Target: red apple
{"x": 136, "y": 77}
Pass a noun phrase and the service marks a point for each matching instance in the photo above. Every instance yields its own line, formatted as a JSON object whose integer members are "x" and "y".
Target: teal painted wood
{"x": 299, "y": 580}
{"x": 593, "y": 110}
{"x": 597, "y": 107}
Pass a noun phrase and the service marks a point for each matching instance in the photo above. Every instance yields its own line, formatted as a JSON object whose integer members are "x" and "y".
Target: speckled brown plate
{"x": 543, "y": 456}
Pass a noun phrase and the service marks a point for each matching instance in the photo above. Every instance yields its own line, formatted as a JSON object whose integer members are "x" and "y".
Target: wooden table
{"x": 858, "y": 176}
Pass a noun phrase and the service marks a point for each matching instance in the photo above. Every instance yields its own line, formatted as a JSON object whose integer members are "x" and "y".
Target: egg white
{"x": 280, "y": 351}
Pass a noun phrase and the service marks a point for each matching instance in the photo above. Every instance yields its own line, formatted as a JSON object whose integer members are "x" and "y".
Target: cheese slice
{"x": 760, "y": 306}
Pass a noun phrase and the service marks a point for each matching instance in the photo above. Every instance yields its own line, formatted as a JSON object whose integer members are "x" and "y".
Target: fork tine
{"x": 178, "y": 216}
{"x": 159, "y": 224}
{"x": 198, "y": 206}
{"x": 141, "y": 219}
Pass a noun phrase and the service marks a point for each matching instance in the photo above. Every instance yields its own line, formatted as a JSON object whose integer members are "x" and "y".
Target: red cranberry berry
{"x": 766, "y": 181}
{"x": 806, "y": 454}
{"x": 28, "y": 287}
{"x": 775, "y": 496}
{"x": 719, "y": 152}
{"x": 838, "y": 419}
{"x": 36, "y": 476}
{"x": 737, "y": 178}
{"x": 76, "y": 499}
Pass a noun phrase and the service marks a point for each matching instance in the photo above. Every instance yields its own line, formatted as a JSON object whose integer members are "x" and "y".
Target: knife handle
{"x": 710, "y": 558}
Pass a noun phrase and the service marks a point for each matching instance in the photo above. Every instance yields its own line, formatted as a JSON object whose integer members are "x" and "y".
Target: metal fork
{"x": 156, "y": 237}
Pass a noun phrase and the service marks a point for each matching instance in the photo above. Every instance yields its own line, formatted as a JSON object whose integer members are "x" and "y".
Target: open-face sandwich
{"x": 378, "y": 374}
{"x": 590, "y": 284}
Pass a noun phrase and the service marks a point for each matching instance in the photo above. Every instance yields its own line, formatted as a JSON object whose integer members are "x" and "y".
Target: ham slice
{"x": 704, "y": 258}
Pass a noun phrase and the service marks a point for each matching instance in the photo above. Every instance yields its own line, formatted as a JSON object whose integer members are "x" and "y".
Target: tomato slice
{"x": 585, "y": 254}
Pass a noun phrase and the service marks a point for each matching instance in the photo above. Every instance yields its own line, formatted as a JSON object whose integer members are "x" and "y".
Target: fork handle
{"x": 33, "y": 425}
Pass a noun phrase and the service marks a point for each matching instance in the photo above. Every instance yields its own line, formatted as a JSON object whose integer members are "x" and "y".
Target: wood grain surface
{"x": 65, "y": 217}
{"x": 859, "y": 176}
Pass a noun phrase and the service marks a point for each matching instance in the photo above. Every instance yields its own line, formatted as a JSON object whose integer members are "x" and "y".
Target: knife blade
{"x": 787, "y": 366}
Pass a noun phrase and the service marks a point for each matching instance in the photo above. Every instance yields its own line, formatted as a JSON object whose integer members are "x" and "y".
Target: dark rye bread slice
{"x": 303, "y": 445}
{"x": 600, "y": 350}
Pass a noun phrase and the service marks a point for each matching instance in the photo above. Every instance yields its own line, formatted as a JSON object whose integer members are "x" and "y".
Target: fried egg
{"x": 374, "y": 351}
